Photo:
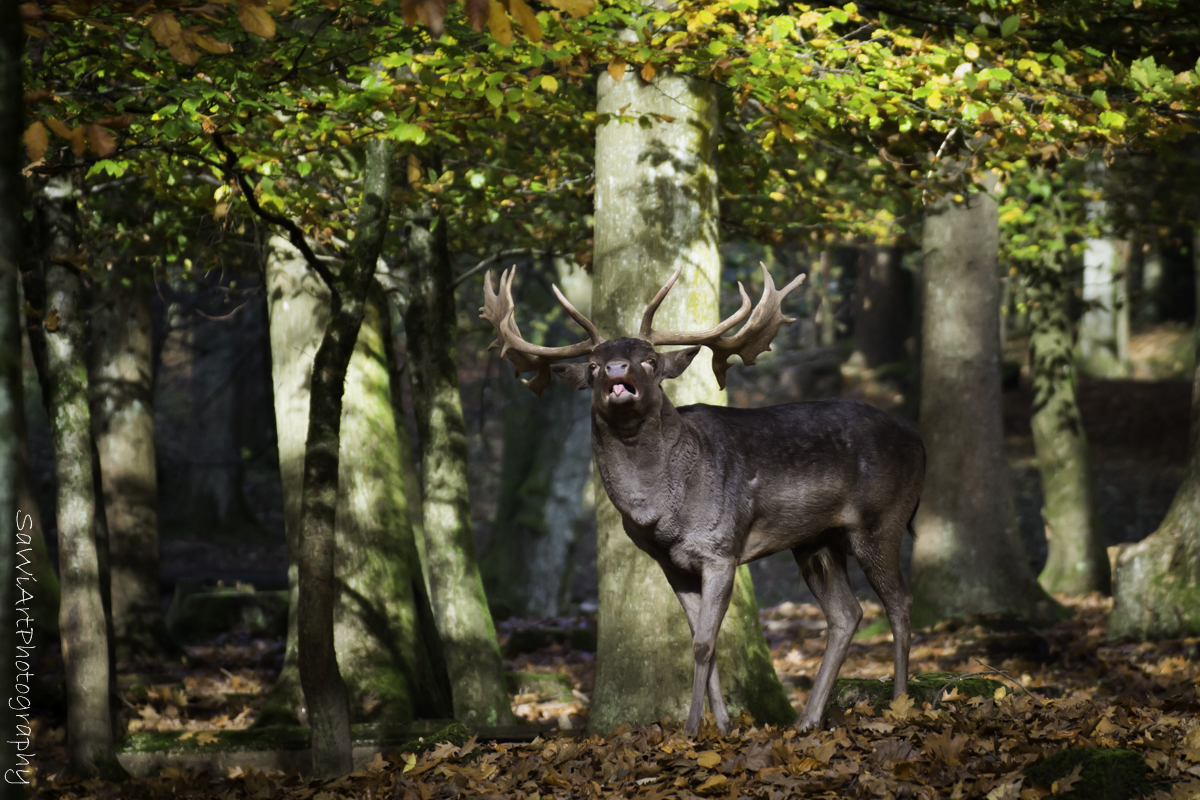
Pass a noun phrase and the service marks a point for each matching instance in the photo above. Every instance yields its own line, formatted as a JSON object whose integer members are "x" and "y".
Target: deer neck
{"x": 638, "y": 461}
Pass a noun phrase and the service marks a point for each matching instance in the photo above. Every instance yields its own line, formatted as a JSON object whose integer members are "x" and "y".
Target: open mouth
{"x": 621, "y": 390}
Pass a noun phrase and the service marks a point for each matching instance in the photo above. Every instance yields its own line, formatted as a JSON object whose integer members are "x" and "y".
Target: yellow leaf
{"x": 901, "y": 707}
{"x": 36, "y": 141}
{"x": 183, "y": 52}
{"x": 414, "y": 170}
{"x": 616, "y": 69}
{"x": 809, "y": 18}
{"x": 576, "y": 8}
{"x": 525, "y": 17}
{"x": 647, "y": 72}
{"x": 971, "y": 51}
{"x": 51, "y": 321}
{"x": 708, "y": 759}
{"x": 212, "y": 45}
{"x": 165, "y": 28}
{"x": 59, "y": 127}
{"x": 1000, "y": 693}
{"x": 549, "y": 84}
{"x": 256, "y": 20}
{"x": 713, "y": 783}
{"x": 787, "y": 131}
{"x": 498, "y": 23}
{"x": 207, "y": 737}
{"x": 78, "y": 141}
{"x": 100, "y": 140}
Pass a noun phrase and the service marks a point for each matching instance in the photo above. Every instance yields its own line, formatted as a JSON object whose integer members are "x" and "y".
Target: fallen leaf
{"x": 1063, "y": 785}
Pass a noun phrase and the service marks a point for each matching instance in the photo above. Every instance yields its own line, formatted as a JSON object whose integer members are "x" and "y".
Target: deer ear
{"x": 675, "y": 362}
{"x": 577, "y": 376}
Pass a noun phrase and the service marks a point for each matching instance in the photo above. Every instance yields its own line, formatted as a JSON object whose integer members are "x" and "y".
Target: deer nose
{"x": 616, "y": 369}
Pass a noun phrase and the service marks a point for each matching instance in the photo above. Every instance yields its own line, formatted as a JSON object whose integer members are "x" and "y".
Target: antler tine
{"x": 754, "y": 337}
{"x": 499, "y": 310}
{"x": 648, "y": 333}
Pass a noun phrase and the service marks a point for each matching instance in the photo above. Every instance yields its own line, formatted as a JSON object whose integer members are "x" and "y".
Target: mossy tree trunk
{"x": 54, "y": 287}
{"x": 545, "y": 469}
{"x": 1156, "y": 588}
{"x": 528, "y": 565}
{"x": 325, "y": 691}
{"x": 122, "y": 386}
{"x": 13, "y": 607}
{"x": 656, "y": 209}
{"x": 1077, "y": 562}
{"x": 967, "y": 558}
{"x": 386, "y": 645}
{"x": 460, "y": 606}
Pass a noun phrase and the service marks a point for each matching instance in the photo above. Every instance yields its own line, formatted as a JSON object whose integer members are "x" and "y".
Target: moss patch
{"x": 922, "y": 688}
{"x": 456, "y": 733}
{"x": 282, "y": 737}
{"x": 1104, "y": 774}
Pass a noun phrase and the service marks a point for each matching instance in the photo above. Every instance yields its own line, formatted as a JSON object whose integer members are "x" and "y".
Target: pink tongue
{"x": 618, "y": 389}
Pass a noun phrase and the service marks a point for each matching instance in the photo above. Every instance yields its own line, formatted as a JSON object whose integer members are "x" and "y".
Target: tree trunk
{"x": 123, "y": 425}
{"x": 1156, "y": 588}
{"x": 656, "y": 209}
{"x": 215, "y": 462}
{"x": 459, "y": 603}
{"x": 387, "y": 646}
{"x": 1077, "y": 561}
{"x": 545, "y": 469}
{"x": 967, "y": 558}
{"x": 883, "y": 311}
{"x": 325, "y": 692}
{"x": 58, "y": 345}
{"x": 1104, "y": 328}
{"x": 16, "y": 628}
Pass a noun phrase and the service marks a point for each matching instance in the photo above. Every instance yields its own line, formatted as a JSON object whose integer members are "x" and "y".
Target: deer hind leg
{"x": 878, "y": 554}
{"x": 687, "y": 589}
{"x": 825, "y": 574}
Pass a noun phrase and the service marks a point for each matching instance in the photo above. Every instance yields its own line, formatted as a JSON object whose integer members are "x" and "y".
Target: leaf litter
{"x": 1068, "y": 687}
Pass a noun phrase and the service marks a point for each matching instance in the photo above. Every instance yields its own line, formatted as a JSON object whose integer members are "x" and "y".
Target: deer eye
{"x": 594, "y": 368}
{"x": 650, "y": 363}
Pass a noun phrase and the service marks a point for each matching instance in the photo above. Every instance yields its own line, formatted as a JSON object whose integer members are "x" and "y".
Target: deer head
{"x": 620, "y": 372}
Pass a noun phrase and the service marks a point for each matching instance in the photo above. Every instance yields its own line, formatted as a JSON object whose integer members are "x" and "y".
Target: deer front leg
{"x": 716, "y": 587}
{"x": 687, "y": 589}
{"x": 825, "y": 574}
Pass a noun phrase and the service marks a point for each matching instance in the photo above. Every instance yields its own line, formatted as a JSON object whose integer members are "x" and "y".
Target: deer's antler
{"x": 498, "y": 310}
{"x": 754, "y": 337}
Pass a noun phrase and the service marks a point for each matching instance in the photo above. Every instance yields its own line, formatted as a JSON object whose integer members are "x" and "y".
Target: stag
{"x": 702, "y": 489}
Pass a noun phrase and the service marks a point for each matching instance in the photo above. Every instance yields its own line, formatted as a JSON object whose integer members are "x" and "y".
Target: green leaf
{"x": 1100, "y": 98}
{"x": 1010, "y": 25}
{"x": 495, "y": 96}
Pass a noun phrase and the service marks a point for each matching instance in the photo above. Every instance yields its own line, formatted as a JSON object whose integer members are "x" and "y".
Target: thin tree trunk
{"x": 967, "y": 559}
{"x": 882, "y": 306}
{"x": 324, "y": 690}
{"x": 456, "y": 589}
{"x": 122, "y": 386}
{"x": 656, "y": 209}
{"x": 14, "y": 608}
{"x": 58, "y": 344}
{"x": 545, "y": 469}
{"x": 386, "y": 644}
{"x": 1156, "y": 588}
{"x": 1077, "y": 562}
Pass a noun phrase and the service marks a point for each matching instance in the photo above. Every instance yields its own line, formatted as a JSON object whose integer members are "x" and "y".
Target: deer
{"x": 703, "y": 489}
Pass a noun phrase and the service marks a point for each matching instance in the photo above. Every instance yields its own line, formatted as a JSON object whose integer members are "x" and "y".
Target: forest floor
{"x": 1067, "y": 686}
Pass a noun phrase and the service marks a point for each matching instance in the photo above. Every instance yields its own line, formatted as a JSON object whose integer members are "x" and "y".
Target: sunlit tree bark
{"x": 656, "y": 209}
